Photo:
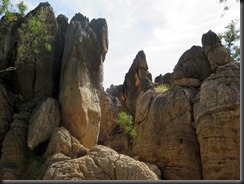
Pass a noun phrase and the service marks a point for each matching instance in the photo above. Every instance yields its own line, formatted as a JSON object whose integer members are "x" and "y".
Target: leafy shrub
{"x": 162, "y": 88}
{"x": 125, "y": 122}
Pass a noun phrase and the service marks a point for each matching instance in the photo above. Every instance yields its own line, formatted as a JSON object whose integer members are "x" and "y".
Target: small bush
{"x": 162, "y": 88}
{"x": 125, "y": 122}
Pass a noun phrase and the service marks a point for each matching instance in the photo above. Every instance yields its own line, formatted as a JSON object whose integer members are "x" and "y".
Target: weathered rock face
{"x": 163, "y": 79}
{"x": 167, "y": 137}
{"x": 34, "y": 77}
{"x": 101, "y": 163}
{"x": 7, "y": 43}
{"x": 216, "y": 53}
{"x": 109, "y": 112}
{"x": 137, "y": 71}
{"x": 59, "y": 50}
{"x": 191, "y": 69}
{"x": 14, "y": 149}
{"x": 42, "y": 122}
{"x": 62, "y": 142}
{"x": 86, "y": 45}
{"x": 217, "y": 119}
{"x": 6, "y": 110}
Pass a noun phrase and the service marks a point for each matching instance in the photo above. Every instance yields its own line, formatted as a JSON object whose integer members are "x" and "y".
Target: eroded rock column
{"x": 86, "y": 45}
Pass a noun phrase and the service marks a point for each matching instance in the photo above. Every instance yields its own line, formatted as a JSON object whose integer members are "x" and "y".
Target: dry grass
{"x": 162, "y": 88}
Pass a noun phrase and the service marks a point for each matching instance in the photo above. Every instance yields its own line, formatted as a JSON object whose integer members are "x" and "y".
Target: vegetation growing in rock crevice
{"x": 125, "y": 122}
{"x": 162, "y": 88}
{"x": 33, "y": 32}
{"x": 33, "y": 35}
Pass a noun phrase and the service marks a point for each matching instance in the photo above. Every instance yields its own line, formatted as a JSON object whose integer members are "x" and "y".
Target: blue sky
{"x": 164, "y": 29}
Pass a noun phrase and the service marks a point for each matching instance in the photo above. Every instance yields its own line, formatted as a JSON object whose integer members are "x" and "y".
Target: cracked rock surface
{"x": 101, "y": 163}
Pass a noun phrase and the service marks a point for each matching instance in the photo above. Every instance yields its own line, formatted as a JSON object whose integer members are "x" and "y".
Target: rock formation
{"x": 34, "y": 75}
{"x": 101, "y": 163}
{"x": 14, "y": 146}
{"x": 57, "y": 122}
{"x": 6, "y": 110}
{"x": 165, "y": 137}
{"x": 43, "y": 120}
{"x": 109, "y": 112}
{"x": 137, "y": 71}
{"x": 191, "y": 69}
{"x": 81, "y": 78}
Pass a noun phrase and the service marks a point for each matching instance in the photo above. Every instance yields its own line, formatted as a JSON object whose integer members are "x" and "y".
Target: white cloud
{"x": 164, "y": 29}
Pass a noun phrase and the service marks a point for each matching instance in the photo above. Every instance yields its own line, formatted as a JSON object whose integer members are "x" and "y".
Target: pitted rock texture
{"x": 217, "y": 121}
{"x": 101, "y": 163}
{"x": 165, "y": 137}
{"x": 86, "y": 45}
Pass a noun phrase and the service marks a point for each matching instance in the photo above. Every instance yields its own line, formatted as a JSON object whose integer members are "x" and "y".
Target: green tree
{"x": 230, "y": 39}
{"x": 231, "y": 36}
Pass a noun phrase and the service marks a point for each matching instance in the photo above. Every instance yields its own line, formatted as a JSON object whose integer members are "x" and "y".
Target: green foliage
{"x": 12, "y": 13}
{"x": 4, "y": 6}
{"x": 162, "y": 88}
{"x": 34, "y": 35}
{"x": 230, "y": 38}
{"x": 33, "y": 166}
{"x": 125, "y": 122}
{"x": 22, "y": 8}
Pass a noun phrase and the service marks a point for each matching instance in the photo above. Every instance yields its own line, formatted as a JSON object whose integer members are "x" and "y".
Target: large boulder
{"x": 101, "y": 163}
{"x": 191, "y": 69}
{"x": 43, "y": 120}
{"x": 166, "y": 135}
{"x": 62, "y": 142}
{"x": 217, "y": 122}
{"x": 86, "y": 45}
